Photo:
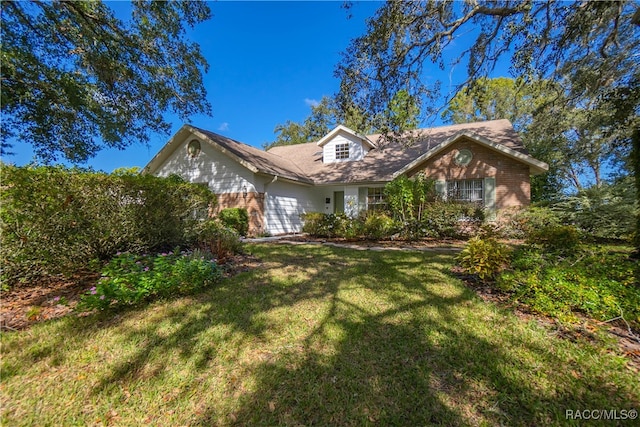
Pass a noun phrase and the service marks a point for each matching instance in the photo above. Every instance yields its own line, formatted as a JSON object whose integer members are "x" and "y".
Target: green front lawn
{"x": 315, "y": 336}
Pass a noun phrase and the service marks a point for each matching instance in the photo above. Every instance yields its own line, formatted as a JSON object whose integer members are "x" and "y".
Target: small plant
{"x": 484, "y": 257}
{"x": 129, "y": 279}
{"x": 33, "y": 313}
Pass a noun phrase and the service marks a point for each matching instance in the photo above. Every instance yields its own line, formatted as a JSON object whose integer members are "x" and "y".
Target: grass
{"x": 316, "y": 336}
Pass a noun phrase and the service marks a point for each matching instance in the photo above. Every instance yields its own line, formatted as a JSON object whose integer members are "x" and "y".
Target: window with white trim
{"x": 342, "y": 151}
{"x": 375, "y": 198}
{"x": 468, "y": 190}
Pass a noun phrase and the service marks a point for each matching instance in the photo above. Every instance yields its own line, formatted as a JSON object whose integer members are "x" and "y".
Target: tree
{"x": 584, "y": 46}
{"x": 76, "y": 79}
{"x": 519, "y": 102}
{"x": 329, "y": 113}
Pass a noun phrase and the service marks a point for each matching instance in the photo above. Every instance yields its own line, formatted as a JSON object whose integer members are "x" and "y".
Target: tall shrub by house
{"x": 57, "y": 220}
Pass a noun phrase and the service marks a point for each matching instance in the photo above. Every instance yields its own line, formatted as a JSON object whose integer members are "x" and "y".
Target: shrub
{"x": 221, "y": 241}
{"x": 313, "y": 223}
{"x": 484, "y": 258}
{"x": 236, "y": 218}
{"x": 57, "y": 220}
{"x": 129, "y": 279}
{"x": 450, "y": 219}
{"x": 377, "y": 225}
{"x": 605, "y": 212}
{"x": 519, "y": 224}
{"x": 596, "y": 281}
{"x": 331, "y": 225}
{"x": 406, "y": 197}
{"x": 563, "y": 239}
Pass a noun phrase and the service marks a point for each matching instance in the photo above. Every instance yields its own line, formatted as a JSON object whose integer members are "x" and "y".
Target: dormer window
{"x": 342, "y": 151}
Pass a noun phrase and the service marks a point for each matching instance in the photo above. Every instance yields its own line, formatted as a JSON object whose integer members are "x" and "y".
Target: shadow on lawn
{"x": 405, "y": 357}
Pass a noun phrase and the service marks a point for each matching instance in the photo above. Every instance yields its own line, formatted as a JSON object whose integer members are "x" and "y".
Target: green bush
{"x": 57, "y": 220}
{"x": 564, "y": 239}
{"x": 331, "y": 225}
{"x": 606, "y": 212}
{"x": 450, "y": 219}
{"x": 236, "y": 218}
{"x": 130, "y": 279}
{"x": 597, "y": 281}
{"x": 312, "y": 223}
{"x": 214, "y": 237}
{"x": 485, "y": 258}
{"x": 377, "y": 226}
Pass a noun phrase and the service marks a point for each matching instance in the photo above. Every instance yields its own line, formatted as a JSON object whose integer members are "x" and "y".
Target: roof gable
{"x": 343, "y": 129}
{"x": 255, "y": 160}
{"x": 537, "y": 167}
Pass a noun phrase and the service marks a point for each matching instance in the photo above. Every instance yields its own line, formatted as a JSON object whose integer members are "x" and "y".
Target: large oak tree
{"x": 75, "y": 78}
{"x": 589, "y": 48}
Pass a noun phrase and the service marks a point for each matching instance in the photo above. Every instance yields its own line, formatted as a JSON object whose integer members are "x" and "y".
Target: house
{"x": 345, "y": 172}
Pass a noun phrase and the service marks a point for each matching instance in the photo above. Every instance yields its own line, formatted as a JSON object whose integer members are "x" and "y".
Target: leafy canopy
{"x": 76, "y": 79}
{"x": 589, "y": 48}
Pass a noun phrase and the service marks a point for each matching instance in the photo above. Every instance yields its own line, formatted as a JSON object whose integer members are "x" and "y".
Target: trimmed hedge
{"x": 58, "y": 220}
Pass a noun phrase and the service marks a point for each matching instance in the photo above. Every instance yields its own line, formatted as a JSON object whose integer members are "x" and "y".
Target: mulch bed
{"x": 57, "y": 296}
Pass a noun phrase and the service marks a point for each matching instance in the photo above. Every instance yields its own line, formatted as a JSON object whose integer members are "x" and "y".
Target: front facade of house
{"x": 346, "y": 172}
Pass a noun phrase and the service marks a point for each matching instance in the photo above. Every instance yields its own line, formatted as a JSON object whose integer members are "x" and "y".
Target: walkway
{"x": 299, "y": 239}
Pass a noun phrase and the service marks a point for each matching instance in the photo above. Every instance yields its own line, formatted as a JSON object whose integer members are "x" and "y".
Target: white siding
{"x": 285, "y": 203}
{"x": 356, "y": 149}
{"x": 219, "y": 171}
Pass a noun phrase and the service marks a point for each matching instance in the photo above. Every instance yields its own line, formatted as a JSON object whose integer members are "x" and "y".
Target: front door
{"x": 338, "y": 202}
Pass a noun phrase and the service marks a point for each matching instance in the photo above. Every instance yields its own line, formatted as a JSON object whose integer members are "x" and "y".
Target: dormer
{"x": 344, "y": 145}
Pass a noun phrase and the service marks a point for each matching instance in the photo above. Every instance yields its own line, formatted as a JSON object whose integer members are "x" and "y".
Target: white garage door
{"x": 283, "y": 214}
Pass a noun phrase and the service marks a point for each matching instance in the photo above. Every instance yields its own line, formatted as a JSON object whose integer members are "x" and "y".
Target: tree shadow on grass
{"x": 413, "y": 363}
{"x": 388, "y": 343}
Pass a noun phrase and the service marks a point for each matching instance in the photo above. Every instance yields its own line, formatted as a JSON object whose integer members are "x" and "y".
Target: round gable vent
{"x": 463, "y": 158}
{"x": 193, "y": 148}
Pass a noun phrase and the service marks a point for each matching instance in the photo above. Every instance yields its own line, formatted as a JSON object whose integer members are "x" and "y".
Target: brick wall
{"x": 513, "y": 187}
{"x": 254, "y": 203}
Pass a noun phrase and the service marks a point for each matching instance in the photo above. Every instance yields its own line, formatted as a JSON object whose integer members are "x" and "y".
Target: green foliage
{"x": 214, "y": 237}
{"x": 129, "y": 279}
{"x": 484, "y": 257}
{"x": 564, "y": 239}
{"x": 451, "y": 219}
{"x": 378, "y": 226}
{"x": 76, "y": 79}
{"x": 439, "y": 219}
{"x": 406, "y": 197}
{"x": 236, "y": 218}
{"x": 56, "y": 220}
{"x": 602, "y": 212}
{"x": 597, "y": 281}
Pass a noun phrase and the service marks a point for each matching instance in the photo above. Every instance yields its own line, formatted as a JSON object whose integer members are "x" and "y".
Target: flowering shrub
{"x": 129, "y": 279}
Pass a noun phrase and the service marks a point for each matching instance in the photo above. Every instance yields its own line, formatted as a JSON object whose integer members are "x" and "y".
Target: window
{"x": 342, "y": 151}
{"x": 469, "y": 190}
{"x": 375, "y": 199}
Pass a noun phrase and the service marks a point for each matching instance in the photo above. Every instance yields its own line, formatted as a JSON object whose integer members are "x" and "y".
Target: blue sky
{"x": 268, "y": 62}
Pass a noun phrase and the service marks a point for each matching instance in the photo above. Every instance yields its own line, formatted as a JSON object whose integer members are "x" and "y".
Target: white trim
{"x": 537, "y": 167}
